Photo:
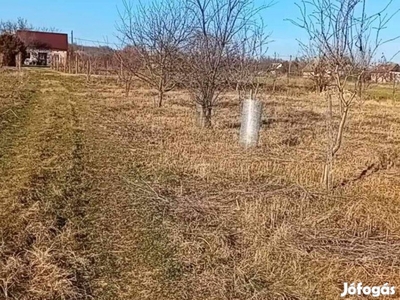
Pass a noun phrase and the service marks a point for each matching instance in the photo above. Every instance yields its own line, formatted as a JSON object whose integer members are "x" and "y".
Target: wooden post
{"x": 69, "y": 62}
{"x": 18, "y": 61}
{"x": 88, "y": 70}
{"x": 290, "y": 67}
{"x": 76, "y": 64}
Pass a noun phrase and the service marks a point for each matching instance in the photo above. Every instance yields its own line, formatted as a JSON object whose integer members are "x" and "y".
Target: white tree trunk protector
{"x": 251, "y": 123}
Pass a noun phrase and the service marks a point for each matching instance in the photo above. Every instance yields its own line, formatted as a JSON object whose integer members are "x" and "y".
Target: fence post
{"x": 121, "y": 69}
{"x": 69, "y": 62}
{"x": 289, "y": 70}
{"x": 18, "y": 58}
{"x": 88, "y": 70}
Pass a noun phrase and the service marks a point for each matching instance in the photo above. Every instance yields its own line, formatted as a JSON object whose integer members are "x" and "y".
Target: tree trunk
{"x": 274, "y": 86}
{"x": 238, "y": 91}
{"x": 328, "y": 166}
{"x": 334, "y": 142}
{"x": 160, "y": 98}
{"x": 204, "y": 116}
{"x": 341, "y": 107}
{"x": 127, "y": 87}
{"x": 360, "y": 87}
{"x": 339, "y": 136}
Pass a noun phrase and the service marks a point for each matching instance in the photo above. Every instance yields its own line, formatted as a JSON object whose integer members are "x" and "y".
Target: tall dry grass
{"x": 255, "y": 224}
{"x": 156, "y": 208}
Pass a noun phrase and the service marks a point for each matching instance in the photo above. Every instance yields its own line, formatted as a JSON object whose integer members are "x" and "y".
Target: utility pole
{"x": 72, "y": 37}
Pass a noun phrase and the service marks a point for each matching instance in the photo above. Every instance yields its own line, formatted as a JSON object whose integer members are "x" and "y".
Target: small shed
{"x": 318, "y": 71}
{"x": 308, "y": 70}
{"x": 44, "y": 47}
{"x": 315, "y": 68}
{"x": 385, "y": 73}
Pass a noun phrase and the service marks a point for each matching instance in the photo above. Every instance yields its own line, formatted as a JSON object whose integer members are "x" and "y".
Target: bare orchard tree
{"x": 218, "y": 26}
{"x": 246, "y": 67}
{"x": 345, "y": 38}
{"x": 318, "y": 71}
{"x": 11, "y": 26}
{"x": 157, "y": 31}
{"x": 128, "y": 62}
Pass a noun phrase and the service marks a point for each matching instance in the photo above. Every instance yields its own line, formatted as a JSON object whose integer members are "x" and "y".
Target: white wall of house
{"x": 385, "y": 77}
{"x": 56, "y": 56}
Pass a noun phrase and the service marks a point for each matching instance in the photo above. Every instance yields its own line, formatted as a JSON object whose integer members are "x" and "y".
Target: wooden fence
{"x": 82, "y": 63}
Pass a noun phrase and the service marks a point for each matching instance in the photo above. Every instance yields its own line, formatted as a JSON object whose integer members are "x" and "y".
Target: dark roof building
{"x": 386, "y": 68}
{"x": 44, "y": 40}
{"x": 386, "y": 72}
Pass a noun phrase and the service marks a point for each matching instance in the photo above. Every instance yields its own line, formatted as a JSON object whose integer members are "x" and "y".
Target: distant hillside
{"x": 92, "y": 50}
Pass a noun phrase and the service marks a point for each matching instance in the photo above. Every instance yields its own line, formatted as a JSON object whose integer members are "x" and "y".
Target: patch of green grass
{"x": 15, "y": 109}
{"x": 383, "y": 92}
{"x": 40, "y": 195}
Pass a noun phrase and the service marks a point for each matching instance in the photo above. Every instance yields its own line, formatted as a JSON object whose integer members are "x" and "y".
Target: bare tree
{"x": 318, "y": 71}
{"x": 11, "y": 26}
{"x": 246, "y": 67}
{"x": 217, "y": 28}
{"x": 128, "y": 60}
{"x": 344, "y": 39}
{"x": 47, "y": 29}
{"x": 10, "y": 48}
{"x": 157, "y": 31}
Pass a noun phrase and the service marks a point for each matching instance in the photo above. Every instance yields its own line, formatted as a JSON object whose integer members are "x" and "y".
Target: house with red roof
{"x": 44, "y": 48}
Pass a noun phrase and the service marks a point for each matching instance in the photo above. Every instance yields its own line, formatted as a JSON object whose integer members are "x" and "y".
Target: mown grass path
{"x": 72, "y": 223}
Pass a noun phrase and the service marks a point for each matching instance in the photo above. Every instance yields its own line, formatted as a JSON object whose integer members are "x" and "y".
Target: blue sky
{"x": 96, "y": 19}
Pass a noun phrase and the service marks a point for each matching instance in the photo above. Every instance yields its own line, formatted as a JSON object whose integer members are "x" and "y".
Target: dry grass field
{"x": 107, "y": 197}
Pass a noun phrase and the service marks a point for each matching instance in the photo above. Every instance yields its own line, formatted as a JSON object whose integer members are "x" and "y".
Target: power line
{"x": 95, "y": 42}
{"x": 276, "y": 55}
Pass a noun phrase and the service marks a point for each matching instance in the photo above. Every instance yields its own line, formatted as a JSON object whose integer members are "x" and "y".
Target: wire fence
{"x": 88, "y": 57}
{"x": 91, "y": 57}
